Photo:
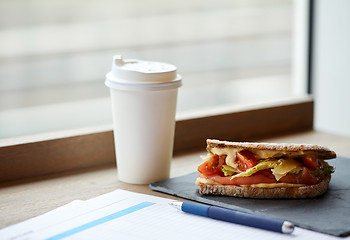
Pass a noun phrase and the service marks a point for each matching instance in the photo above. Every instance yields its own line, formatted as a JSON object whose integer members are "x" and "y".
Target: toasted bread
{"x": 306, "y": 191}
{"x": 319, "y": 150}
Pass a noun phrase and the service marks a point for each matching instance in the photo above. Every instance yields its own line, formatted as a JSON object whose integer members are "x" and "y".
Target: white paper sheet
{"x": 126, "y": 215}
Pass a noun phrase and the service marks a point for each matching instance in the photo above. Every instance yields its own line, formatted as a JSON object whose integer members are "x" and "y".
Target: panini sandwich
{"x": 265, "y": 170}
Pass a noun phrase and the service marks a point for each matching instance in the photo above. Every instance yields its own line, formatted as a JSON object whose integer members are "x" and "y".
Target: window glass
{"x": 55, "y": 54}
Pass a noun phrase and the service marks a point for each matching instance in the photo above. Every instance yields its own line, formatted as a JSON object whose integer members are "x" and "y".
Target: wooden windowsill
{"x": 40, "y": 173}
{"x": 53, "y": 153}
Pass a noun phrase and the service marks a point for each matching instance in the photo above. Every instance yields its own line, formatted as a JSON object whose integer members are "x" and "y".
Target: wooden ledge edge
{"x": 245, "y": 123}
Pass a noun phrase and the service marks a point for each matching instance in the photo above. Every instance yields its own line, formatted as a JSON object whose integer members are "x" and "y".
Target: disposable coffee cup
{"x": 144, "y": 96}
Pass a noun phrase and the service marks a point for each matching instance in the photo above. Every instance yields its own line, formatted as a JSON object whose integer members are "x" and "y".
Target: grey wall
{"x": 331, "y": 71}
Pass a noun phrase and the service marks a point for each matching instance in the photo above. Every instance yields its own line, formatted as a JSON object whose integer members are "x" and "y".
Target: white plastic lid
{"x": 133, "y": 74}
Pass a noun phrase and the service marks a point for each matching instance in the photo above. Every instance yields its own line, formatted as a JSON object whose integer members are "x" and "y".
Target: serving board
{"x": 329, "y": 213}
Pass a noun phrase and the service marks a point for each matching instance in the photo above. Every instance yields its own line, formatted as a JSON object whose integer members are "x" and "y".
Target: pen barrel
{"x": 247, "y": 219}
{"x": 195, "y": 208}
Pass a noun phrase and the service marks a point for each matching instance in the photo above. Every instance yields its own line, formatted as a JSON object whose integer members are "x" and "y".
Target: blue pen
{"x": 233, "y": 216}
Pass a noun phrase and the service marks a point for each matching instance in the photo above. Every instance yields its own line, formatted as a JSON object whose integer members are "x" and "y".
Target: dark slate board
{"x": 328, "y": 214}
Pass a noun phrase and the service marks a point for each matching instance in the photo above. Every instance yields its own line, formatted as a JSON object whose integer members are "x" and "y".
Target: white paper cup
{"x": 143, "y": 98}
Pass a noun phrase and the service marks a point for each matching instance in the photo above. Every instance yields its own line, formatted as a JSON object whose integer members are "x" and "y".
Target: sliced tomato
{"x": 264, "y": 176}
{"x": 254, "y": 179}
{"x": 303, "y": 177}
{"x": 212, "y": 166}
{"x": 267, "y": 173}
{"x": 245, "y": 160}
{"x": 313, "y": 162}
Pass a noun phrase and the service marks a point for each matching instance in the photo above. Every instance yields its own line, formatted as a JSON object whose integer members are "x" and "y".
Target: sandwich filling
{"x": 262, "y": 168}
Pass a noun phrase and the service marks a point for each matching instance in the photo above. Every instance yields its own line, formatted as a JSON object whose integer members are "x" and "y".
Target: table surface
{"x": 25, "y": 199}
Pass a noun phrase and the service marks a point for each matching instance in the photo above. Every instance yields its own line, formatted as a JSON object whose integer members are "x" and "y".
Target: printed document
{"x": 127, "y": 215}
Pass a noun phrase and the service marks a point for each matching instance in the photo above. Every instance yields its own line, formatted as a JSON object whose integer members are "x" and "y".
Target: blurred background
{"x": 54, "y": 55}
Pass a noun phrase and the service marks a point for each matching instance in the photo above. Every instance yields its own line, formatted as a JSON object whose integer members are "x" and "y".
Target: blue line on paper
{"x": 101, "y": 220}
